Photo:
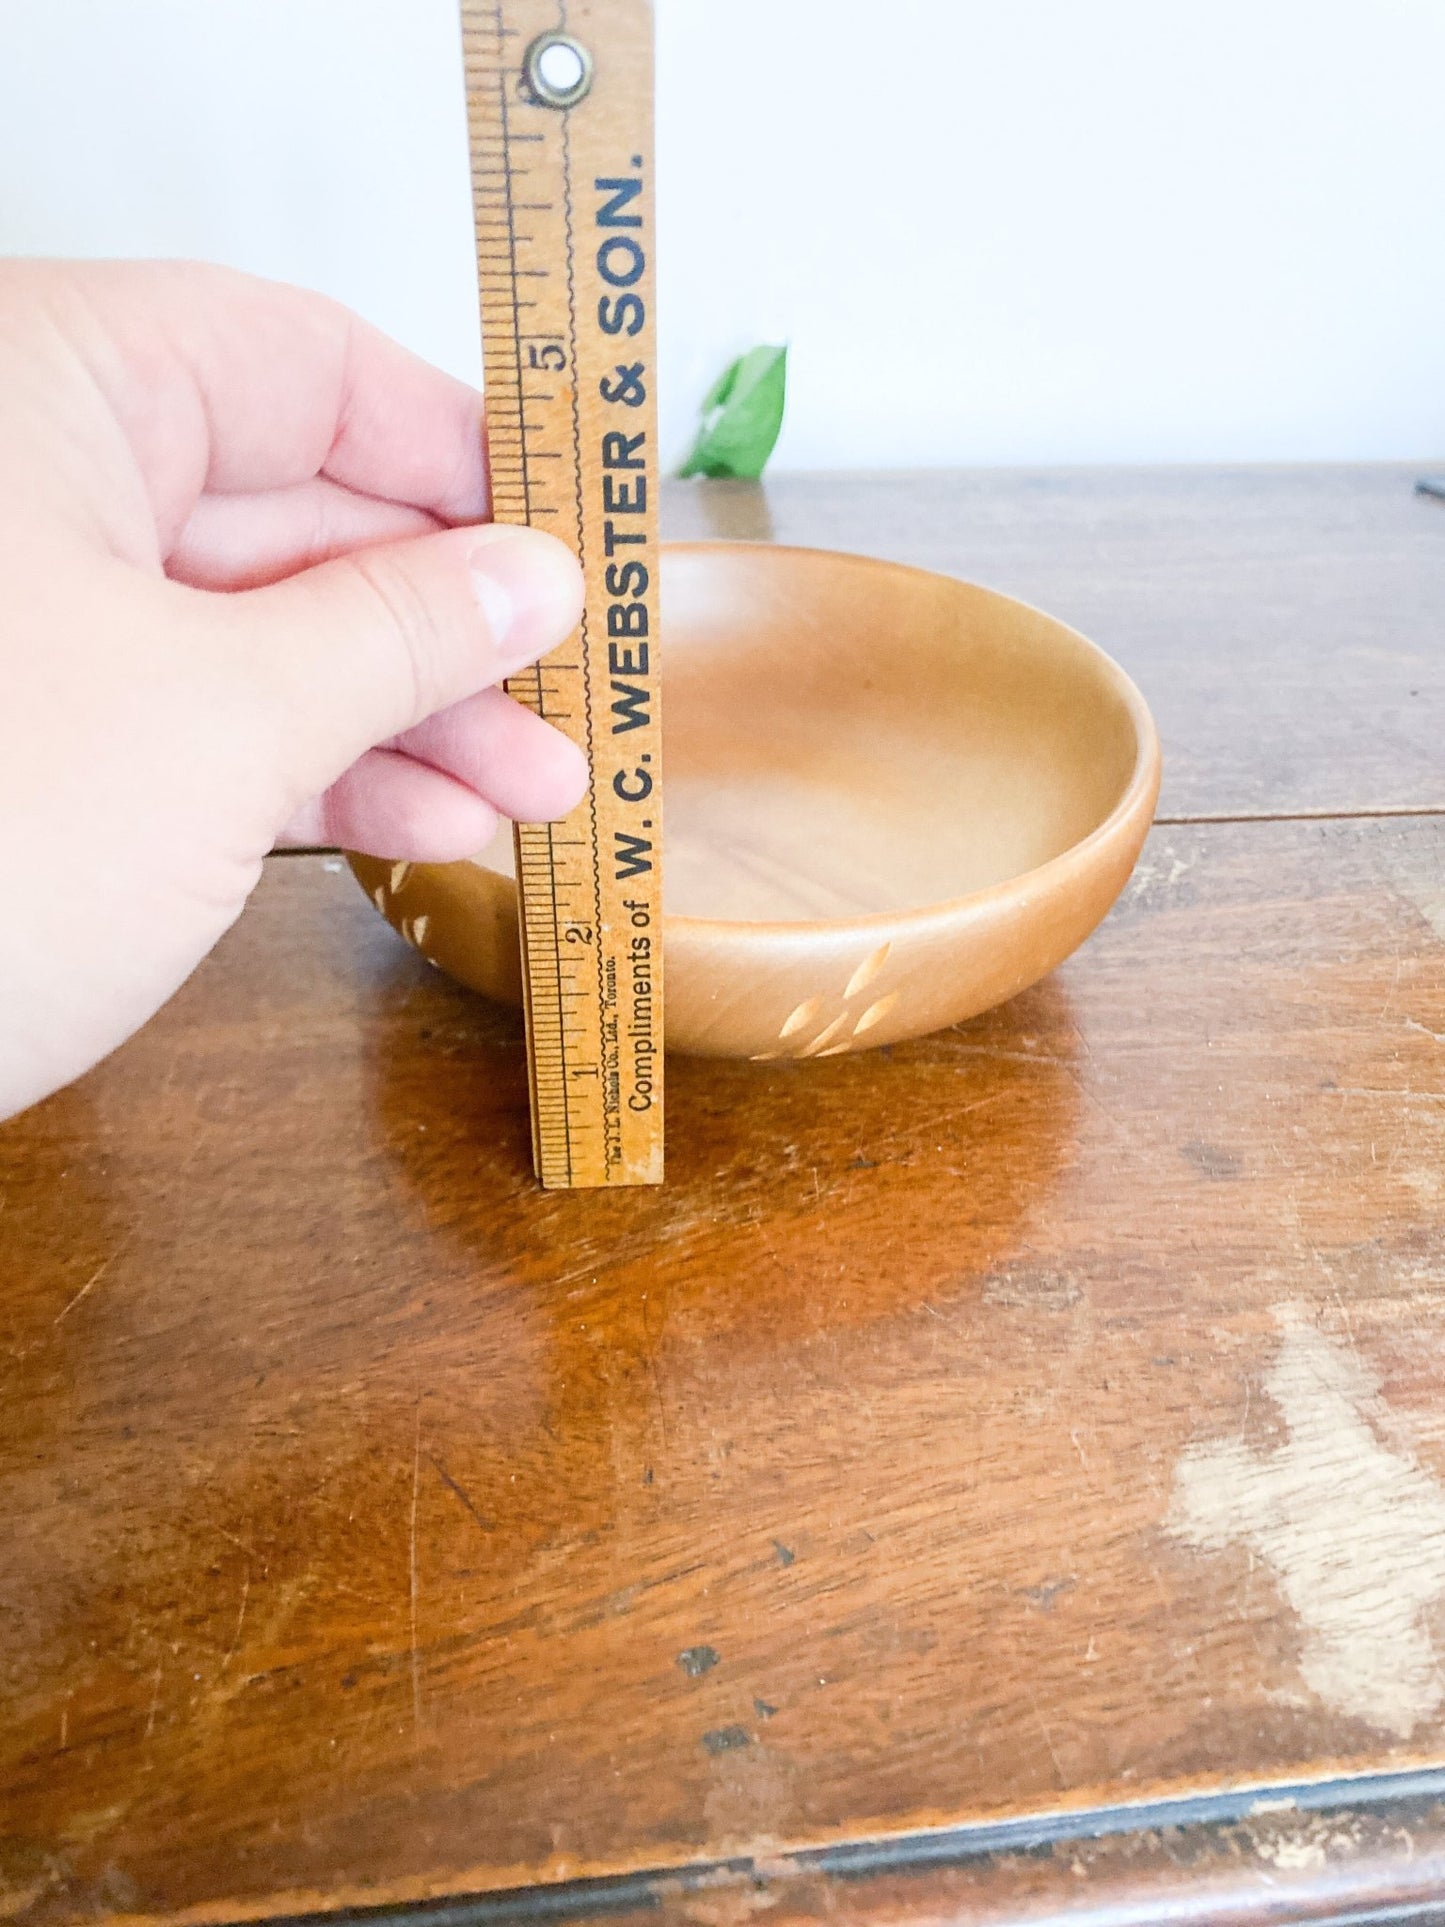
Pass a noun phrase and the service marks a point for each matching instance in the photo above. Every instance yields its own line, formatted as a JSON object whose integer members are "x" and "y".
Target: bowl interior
{"x": 847, "y": 737}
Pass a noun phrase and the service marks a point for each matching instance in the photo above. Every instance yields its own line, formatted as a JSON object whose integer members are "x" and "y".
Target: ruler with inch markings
{"x": 559, "y": 108}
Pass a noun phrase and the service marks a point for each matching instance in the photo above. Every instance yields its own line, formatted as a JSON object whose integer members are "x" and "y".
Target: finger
{"x": 245, "y": 541}
{"x": 389, "y": 805}
{"x": 223, "y": 383}
{"x": 530, "y": 771}
{"x": 363, "y": 648}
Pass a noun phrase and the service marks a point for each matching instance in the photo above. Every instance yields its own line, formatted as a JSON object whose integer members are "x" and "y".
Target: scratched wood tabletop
{"x": 997, "y": 1479}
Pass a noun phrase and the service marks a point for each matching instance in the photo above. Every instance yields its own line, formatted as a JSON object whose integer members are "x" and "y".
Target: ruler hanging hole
{"x": 558, "y": 69}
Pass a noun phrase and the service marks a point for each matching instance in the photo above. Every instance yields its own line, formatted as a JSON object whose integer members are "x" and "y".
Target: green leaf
{"x": 721, "y": 388}
{"x": 742, "y": 416}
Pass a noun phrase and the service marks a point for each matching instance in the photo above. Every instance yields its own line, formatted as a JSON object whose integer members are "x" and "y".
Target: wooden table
{"x": 997, "y": 1479}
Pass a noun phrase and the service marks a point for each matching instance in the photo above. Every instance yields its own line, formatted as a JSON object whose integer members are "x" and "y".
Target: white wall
{"x": 993, "y": 230}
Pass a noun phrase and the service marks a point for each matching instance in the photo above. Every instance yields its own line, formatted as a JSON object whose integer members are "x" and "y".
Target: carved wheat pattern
{"x": 413, "y": 929}
{"x": 818, "y": 1027}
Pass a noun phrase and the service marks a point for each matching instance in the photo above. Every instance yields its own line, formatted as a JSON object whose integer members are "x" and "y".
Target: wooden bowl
{"x": 893, "y": 801}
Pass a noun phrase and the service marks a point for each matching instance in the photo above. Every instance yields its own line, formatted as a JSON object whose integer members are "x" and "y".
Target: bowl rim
{"x": 1139, "y": 796}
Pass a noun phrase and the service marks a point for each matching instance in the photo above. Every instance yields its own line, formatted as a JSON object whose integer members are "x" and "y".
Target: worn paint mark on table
{"x": 1347, "y": 1519}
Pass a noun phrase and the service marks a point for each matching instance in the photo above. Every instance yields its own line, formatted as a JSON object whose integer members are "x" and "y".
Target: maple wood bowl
{"x": 893, "y": 801}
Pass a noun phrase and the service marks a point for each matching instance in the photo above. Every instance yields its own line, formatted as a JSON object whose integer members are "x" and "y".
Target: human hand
{"x": 246, "y": 603}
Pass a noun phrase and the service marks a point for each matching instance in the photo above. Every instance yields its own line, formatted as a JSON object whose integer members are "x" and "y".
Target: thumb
{"x": 357, "y": 650}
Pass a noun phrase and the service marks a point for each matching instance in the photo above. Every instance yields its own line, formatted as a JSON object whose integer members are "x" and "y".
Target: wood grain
{"x": 950, "y": 1440}
{"x": 817, "y": 897}
{"x": 1283, "y": 623}
{"x": 564, "y": 218}
{"x": 1367, "y": 1856}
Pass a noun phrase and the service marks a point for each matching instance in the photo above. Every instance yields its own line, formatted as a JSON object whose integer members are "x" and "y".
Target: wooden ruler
{"x": 559, "y": 105}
